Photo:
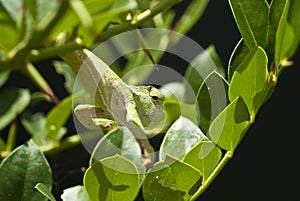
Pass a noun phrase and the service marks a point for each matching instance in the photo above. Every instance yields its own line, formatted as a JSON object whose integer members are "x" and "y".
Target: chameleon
{"x": 137, "y": 107}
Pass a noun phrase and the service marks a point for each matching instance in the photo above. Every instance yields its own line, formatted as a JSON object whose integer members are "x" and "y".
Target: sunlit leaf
{"x": 167, "y": 180}
{"x": 114, "y": 178}
{"x": 43, "y": 189}
{"x": 76, "y": 193}
{"x": 180, "y": 138}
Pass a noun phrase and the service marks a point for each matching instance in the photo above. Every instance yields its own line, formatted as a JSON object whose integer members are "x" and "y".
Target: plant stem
{"x": 228, "y": 155}
{"x": 12, "y": 135}
{"x": 49, "y": 52}
{"x": 39, "y": 80}
{"x": 67, "y": 143}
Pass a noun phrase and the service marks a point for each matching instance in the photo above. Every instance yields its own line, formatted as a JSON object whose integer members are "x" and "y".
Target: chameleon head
{"x": 149, "y": 104}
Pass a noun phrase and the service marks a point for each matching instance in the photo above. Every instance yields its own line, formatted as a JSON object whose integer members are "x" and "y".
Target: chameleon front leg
{"x": 88, "y": 116}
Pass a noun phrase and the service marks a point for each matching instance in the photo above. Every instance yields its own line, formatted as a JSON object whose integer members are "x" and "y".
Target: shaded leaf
{"x": 67, "y": 72}
{"x": 252, "y": 74}
{"x": 13, "y": 102}
{"x": 229, "y": 126}
{"x": 76, "y": 193}
{"x": 204, "y": 156}
{"x": 43, "y": 189}
{"x": 21, "y": 170}
{"x": 167, "y": 180}
{"x": 211, "y": 98}
{"x": 180, "y": 138}
{"x": 35, "y": 126}
{"x": 239, "y": 53}
{"x": 114, "y": 178}
{"x": 203, "y": 65}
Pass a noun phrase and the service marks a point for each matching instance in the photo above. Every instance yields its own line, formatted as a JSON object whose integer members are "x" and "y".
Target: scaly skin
{"x": 136, "y": 107}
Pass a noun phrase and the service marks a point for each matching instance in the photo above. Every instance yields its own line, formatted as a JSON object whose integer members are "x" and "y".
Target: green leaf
{"x": 21, "y": 170}
{"x": 44, "y": 190}
{"x": 278, "y": 18}
{"x": 239, "y": 53}
{"x": 212, "y": 99}
{"x": 67, "y": 72}
{"x": 204, "y": 64}
{"x": 13, "y": 7}
{"x": 293, "y": 19}
{"x": 252, "y": 74}
{"x": 76, "y": 193}
{"x": 171, "y": 180}
{"x": 173, "y": 90}
{"x": 190, "y": 16}
{"x": 57, "y": 117}
{"x": 230, "y": 125}
{"x": 180, "y": 138}
{"x": 13, "y": 102}
{"x": 289, "y": 42}
{"x": 35, "y": 126}
{"x": 118, "y": 141}
{"x": 252, "y": 20}
{"x": 204, "y": 156}
{"x": 102, "y": 19}
{"x": 4, "y": 76}
{"x": 8, "y": 30}
{"x": 114, "y": 178}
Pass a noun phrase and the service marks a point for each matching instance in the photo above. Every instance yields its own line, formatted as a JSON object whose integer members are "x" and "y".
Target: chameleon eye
{"x": 154, "y": 98}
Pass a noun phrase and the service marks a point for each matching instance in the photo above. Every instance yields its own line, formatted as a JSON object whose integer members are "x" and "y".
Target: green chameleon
{"x": 136, "y": 107}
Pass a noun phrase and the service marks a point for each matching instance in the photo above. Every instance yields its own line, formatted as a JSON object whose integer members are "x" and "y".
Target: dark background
{"x": 264, "y": 166}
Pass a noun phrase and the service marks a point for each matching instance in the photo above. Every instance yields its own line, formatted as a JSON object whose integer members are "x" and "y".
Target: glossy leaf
{"x": 252, "y": 74}
{"x": 14, "y": 101}
{"x": 252, "y": 20}
{"x": 230, "y": 125}
{"x": 57, "y": 117}
{"x": 180, "y": 138}
{"x": 212, "y": 99}
{"x": 67, "y": 72}
{"x": 44, "y": 190}
{"x": 204, "y": 156}
{"x": 76, "y": 193}
{"x": 118, "y": 141}
{"x": 114, "y": 178}
{"x": 21, "y": 170}
{"x": 239, "y": 53}
{"x": 171, "y": 180}
{"x": 278, "y": 19}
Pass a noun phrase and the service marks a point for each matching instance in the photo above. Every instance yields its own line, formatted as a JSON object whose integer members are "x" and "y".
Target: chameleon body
{"x": 136, "y": 107}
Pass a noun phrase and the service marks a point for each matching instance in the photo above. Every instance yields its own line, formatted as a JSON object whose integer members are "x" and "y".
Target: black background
{"x": 265, "y": 164}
